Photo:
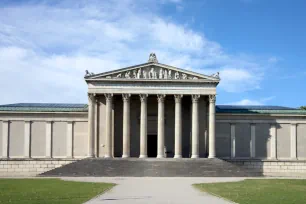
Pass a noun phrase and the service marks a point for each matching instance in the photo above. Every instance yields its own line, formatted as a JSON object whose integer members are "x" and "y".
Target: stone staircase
{"x": 135, "y": 167}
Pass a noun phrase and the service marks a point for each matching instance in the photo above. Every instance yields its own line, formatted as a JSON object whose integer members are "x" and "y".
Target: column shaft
{"x": 253, "y": 141}
{"x": 273, "y": 153}
{"x": 178, "y": 126}
{"x": 48, "y": 139}
{"x": 69, "y": 139}
{"x": 5, "y": 138}
{"x": 27, "y": 135}
{"x": 195, "y": 127}
{"x": 161, "y": 126}
{"x": 293, "y": 142}
{"x": 212, "y": 136}
{"x": 143, "y": 126}
{"x": 108, "y": 126}
{"x": 91, "y": 124}
{"x": 126, "y": 126}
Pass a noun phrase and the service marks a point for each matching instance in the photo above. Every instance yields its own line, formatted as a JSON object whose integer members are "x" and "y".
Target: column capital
{"x": 212, "y": 98}
{"x": 161, "y": 98}
{"x": 126, "y": 97}
{"x": 195, "y": 98}
{"x": 178, "y": 98}
{"x": 109, "y": 97}
{"x": 143, "y": 97}
{"x": 91, "y": 96}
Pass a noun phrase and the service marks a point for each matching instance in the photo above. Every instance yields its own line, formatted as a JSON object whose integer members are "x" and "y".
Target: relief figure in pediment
{"x": 119, "y": 75}
{"x": 144, "y": 73}
{"x": 165, "y": 74}
{"x": 128, "y": 75}
{"x": 161, "y": 73}
{"x": 177, "y": 75}
{"x": 152, "y": 74}
{"x": 184, "y": 76}
{"x": 138, "y": 73}
{"x": 169, "y": 74}
{"x": 134, "y": 74}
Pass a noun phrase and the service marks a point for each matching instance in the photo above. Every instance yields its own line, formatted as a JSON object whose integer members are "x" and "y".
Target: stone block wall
{"x": 274, "y": 167}
{"x": 31, "y": 167}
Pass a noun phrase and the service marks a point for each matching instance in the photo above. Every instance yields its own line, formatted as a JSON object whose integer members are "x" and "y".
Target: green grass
{"x": 259, "y": 191}
{"x": 44, "y": 191}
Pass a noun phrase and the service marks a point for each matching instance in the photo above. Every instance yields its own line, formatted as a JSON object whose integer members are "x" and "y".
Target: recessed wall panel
{"x": 59, "y": 139}
{"x": 283, "y": 140}
{"x": 38, "y": 139}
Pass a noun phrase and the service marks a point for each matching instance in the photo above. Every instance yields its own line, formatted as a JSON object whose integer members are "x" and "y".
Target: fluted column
{"x": 143, "y": 126}
{"x": 195, "y": 126}
{"x": 91, "y": 124}
{"x": 178, "y": 126}
{"x": 161, "y": 126}
{"x": 126, "y": 125}
{"x": 212, "y": 135}
{"x": 108, "y": 127}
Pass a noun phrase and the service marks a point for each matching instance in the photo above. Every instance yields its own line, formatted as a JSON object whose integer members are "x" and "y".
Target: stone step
{"x": 151, "y": 168}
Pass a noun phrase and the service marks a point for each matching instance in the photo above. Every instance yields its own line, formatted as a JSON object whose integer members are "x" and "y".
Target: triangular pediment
{"x": 151, "y": 71}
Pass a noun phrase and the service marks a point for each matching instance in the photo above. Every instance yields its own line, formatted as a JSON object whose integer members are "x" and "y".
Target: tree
{"x": 303, "y": 107}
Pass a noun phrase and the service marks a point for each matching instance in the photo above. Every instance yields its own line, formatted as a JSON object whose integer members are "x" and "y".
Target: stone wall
{"x": 261, "y": 137}
{"x": 274, "y": 167}
{"x": 29, "y": 167}
{"x": 43, "y": 135}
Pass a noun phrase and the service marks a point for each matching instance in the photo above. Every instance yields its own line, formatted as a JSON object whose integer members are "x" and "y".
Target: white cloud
{"x": 273, "y": 59}
{"x": 47, "y": 48}
{"x": 247, "y": 102}
{"x": 261, "y": 101}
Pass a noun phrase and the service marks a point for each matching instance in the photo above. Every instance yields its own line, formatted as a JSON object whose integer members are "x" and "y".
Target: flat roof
{"x": 81, "y": 107}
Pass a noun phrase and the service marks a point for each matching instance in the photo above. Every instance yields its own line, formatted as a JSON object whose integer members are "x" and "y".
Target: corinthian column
{"x": 108, "y": 127}
{"x": 161, "y": 126}
{"x": 143, "y": 126}
{"x": 91, "y": 124}
{"x": 195, "y": 126}
{"x": 178, "y": 126}
{"x": 212, "y": 136}
{"x": 126, "y": 125}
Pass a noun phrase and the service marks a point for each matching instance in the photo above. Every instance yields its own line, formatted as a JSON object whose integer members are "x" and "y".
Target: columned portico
{"x": 174, "y": 123}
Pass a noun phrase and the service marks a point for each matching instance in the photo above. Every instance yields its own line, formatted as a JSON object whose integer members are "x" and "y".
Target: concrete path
{"x": 149, "y": 190}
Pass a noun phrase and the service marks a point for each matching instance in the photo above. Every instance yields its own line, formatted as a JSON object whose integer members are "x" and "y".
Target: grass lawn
{"x": 259, "y": 191}
{"x": 56, "y": 191}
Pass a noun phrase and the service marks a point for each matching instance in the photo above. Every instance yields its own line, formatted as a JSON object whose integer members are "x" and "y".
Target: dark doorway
{"x": 152, "y": 145}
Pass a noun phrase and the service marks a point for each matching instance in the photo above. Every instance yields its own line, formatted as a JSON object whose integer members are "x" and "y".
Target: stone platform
{"x": 134, "y": 167}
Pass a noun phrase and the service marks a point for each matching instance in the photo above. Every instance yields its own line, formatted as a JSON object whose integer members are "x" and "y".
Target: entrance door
{"x": 152, "y": 145}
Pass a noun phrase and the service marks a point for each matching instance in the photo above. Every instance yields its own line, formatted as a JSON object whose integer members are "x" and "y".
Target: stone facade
{"x": 151, "y": 110}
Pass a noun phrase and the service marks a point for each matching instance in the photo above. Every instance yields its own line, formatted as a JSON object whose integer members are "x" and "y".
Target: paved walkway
{"x": 149, "y": 190}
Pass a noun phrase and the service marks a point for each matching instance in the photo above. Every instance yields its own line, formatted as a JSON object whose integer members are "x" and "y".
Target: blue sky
{"x": 258, "y": 46}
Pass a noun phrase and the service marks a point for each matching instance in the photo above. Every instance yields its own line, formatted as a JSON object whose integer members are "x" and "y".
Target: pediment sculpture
{"x": 152, "y": 73}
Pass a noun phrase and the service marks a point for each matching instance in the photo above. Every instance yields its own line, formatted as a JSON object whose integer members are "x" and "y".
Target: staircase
{"x": 135, "y": 167}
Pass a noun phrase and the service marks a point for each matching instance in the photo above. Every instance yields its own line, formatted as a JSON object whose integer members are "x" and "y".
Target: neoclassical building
{"x": 151, "y": 110}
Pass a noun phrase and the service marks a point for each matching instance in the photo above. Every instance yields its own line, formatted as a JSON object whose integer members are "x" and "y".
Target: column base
{"x": 125, "y": 156}
{"x": 143, "y": 156}
{"x": 211, "y": 156}
{"x": 194, "y": 156}
{"x": 107, "y": 157}
{"x": 160, "y": 156}
{"x": 177, "y": 156}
